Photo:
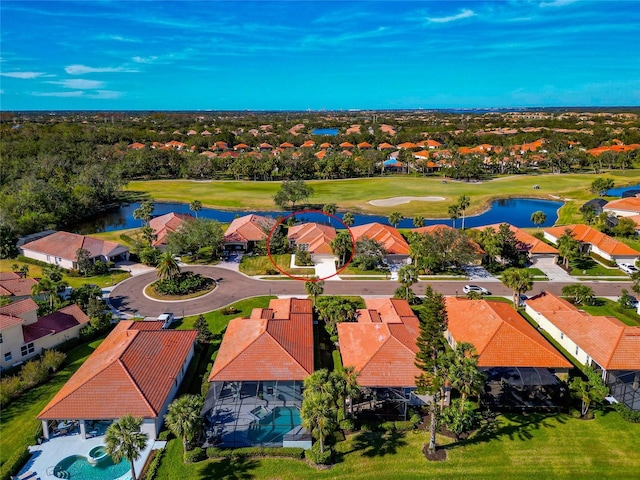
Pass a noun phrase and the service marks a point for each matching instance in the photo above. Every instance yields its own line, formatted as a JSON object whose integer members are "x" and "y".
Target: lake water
{"x": 516, "y": 211}
{"x": 618, "y": 191}
{"x": 325, "y": 131}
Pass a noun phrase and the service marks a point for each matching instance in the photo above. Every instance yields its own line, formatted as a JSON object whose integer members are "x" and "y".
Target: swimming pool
{"x": 273, "y": 427}
{"x": 77, "y": 467}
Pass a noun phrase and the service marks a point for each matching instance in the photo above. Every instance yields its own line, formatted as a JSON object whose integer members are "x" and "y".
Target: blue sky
{"x": 161, "y": 55}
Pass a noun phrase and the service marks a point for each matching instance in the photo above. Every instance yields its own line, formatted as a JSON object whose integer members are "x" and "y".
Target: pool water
{"x": 273, "y": 427}
{"x": 76, "y": 467}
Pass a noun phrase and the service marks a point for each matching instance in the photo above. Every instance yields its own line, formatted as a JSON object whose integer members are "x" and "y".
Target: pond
{"x": 325, "y": 131}
{"x": 619, "y": 191}
{"x": 516, "y": 211}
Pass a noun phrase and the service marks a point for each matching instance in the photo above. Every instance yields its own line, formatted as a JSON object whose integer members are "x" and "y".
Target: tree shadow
{"x": 376, "y": 444}
{"x": 239, "y": 468}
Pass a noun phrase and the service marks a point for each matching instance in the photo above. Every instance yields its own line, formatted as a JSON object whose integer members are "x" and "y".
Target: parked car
{"x": 628, "y": 268}
{"x": 476, "y": 288}
{"x": 167, "y": 318}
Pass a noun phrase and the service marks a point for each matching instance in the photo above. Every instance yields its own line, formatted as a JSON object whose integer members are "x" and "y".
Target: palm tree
{"x": 168, "y": 266}
{"x": 318, "y": 411}
{"x": 348, "y": 219}
{"x": 395, "y": 218}
{"x": 346, "y": 385}
{"x": 520, "y": 280}
{"x": 329, "y": 208}
{"x": 342, "y": 245}
{"x": 407, "y": 276}
{"x": 44, "y": 287}
{"x": 314, "y": 287}
{"x": 568, "y": 247}
{"x": 593, "y": 390}
{"x": 418, "y": 221}
{"x": 538, "y": 218}
{"x": 464, "y": 374}
{"x": 463, "y": 203}
{"x": 195, "y": 206}
{"x": 124, "y": 439}
{"x": 183, "y": 418}
{"x": 454, "y": 213}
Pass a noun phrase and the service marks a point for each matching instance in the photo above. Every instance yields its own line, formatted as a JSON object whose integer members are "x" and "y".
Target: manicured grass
{"x": 35, "y": 271}
{"x": 218, "y": 321}
{"x": 260, "y": 264}
{"x": 355, "y": 193}
{"x": 533, "y": 446}
{"x": 114, "y": 235}
{"x": 18, "y": 426}
{"x": 590, "y": 268}
{"x": 609, "y": 308}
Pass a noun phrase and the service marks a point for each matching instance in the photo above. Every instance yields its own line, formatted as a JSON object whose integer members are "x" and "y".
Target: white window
{"x": 27, "y": 349}
{"x": 8, "y": 357}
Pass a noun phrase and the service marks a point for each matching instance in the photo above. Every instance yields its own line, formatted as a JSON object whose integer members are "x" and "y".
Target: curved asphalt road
{"x": 127, "y": 297}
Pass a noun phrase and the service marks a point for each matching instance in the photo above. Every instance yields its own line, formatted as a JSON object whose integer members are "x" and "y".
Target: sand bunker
{"x": 392, "y": 202}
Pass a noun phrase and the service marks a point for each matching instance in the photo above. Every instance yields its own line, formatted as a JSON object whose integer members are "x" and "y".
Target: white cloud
{"x": 139, "y": 59}
{"x": 465, "y": 13}
{"x": 105, "y": 95}
{"x": 557, "y": 3}
{"x": 23, "y": 75}
{"x": 80, "y": 84}
{"x": 76, "y": 93}
{"x": 82, "y": 69}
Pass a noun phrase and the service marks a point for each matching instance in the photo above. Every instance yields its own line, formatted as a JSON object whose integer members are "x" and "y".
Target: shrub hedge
{"x": 284, "y": 452}
{"x": 195, "y": 455}
{"x": 626, "y": 413}
{"x": 14, "y": 463}
{"x": 154, "y": 464}
{"x": 314, "y": 455}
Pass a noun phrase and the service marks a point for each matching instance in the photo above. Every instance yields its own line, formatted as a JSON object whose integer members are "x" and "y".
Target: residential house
{"x": 60, "y": 248}
{"x": 313, "y": 237}
{"x": 396, "y": 247}
{"x": 136, "y": 370}
{"x": 596, "y": 204}
{"x": 604, "y": 343}
{"x": 23, "y": 335}
{"x": 16, "y": 287}
{"x": 256, "y": 381}
{"x": 244, "y": 232}
{"x": 537, "y": 251}
{"x": 522, "y": 368}
{"x": 592, "y": 240}
{"x": 165, "y": 224}
{"x": 381, "y": 346}
{"x": 623, "y": 207}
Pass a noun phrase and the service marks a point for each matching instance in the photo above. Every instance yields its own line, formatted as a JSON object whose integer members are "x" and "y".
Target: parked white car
{"x": 167, "y": 318}
{"x": 475, "y": 288}
{"x": 628, "y": 268}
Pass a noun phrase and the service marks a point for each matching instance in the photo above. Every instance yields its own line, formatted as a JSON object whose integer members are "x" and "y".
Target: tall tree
{"x": 431, "y": 357}
{"x": 407, "y": 276}
{"x": 454, "y": 213}
{"x": 568, "y": 247}
{"x": 538, "y": 218}
{"x": 418, "y": 221}
{"x": 124, "y": 439}
{"x": 83, "y": 261}
{"x": 579, "y": 293}
{"x": 292, "y": 192}
{"x": 204, "y": 332}
{"x": 329, "y": 208}
{"x": 463, "y": 203}
{"x": 520, "y": 280}
{"x": 348, "y": 219}
{"x": 464, "y": 374}
{"x": 168, "y": 266}
{"x": 600, "y": 185}
{"x": 314, "y": 287}
{"x": 342, "y": 246}
{"x": 318, "y": 411}
{"x": 195, "y": 206}
{"x": 144, "y": 212}
{"x": 591, "y": 390}
{"x": 395, "y": 218}
{"x": 183, "y": 418}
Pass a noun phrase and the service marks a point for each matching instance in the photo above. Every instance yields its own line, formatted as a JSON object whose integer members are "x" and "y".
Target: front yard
{"x": 261, "y": 265}
{"x": 35, "y": 271}
{"x": 609, "y": 308}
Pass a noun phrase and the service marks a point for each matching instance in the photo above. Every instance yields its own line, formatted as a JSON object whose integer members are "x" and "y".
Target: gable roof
{"x": 167, "y": 223}
{"x": 7, "y": 321}
{"x": 585, "y": 234}
{"x": 275, "y": 343}
{"x": 388, "y": 236}
{"x": 9, "y": 276}
{"x": 526, "y": 241}
{"x": 381, "y": 345}
{"x": 56, "y": 322}
{"x": 15, "y": 309}
{"x": 248, "y": 228}
{"x": 316, "y": 235}
{"x": 18, "y": 287}
{"x": 65, "y": 245}
{"x": 630, "y": 204}
{"x": 501, "y": 336}
{"x": 135, "y": 368}
{"x": 612, "y": 344}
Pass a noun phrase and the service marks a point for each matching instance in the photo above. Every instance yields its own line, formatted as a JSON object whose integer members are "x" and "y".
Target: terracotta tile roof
{"x": 147, "y": 325}
{"x": 287, "y": 145}
{"x": 431, "y": 229}
{"x": 18, "y": 308}
{"x": 346, "y": 145}
{"x": 422, "y": 154}
{"x": 241, "y": 146}
{"x": 325, "y": 145}
{"x": 132, "y": 371}
{"x": 613, "y": 345}
{"x": 501, "y": 336}
{"x": 65, "y": 245}
{"x": 381, "y": 346}
{"x": 317, "y": 236}
{"x": 629, "y": 204}
{"x": 321, "y": 154}
{"x": 433, "y": 144}
{"x": 308, "y": 144}
{"x": 407, "y": 145}
{"x": 248, "y": 228}
{"x": 364, "y": 145}
{"x": 386, "y": 146}
{"x": 585, "y": 234}
{"x": 353, "y": 129}
{"x": 275, "y": 343}
{"x": 7, "y": 321}
{"x": 19, "y": 287}
{"x": 9, "y": 276}
{"x": 266, "y": 146}
{"x": 388, "y": 236}
{"x": 136, "y": 146}
{"x": 63, "y": 319}
{"x": 526, "y": 242}
{"x": 167, "y": 223}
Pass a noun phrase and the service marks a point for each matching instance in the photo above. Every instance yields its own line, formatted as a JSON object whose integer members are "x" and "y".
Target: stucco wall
{"x": 62, "y": 262}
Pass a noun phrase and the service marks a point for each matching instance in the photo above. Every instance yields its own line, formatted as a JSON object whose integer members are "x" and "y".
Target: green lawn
{"x": 19, "y": 424}
{"x": 533, "y": 446}
{"x": 609, "y": 308}
{"x": 114, "y": 235}
{"x": 260, "y": 264}
{"x": 590, "y": 268}
{"x": 355, "y": 193}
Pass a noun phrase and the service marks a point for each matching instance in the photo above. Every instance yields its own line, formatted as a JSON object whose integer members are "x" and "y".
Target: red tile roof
{"x": 9, "y": 276}
{"x": 63, "y": 319}
{"x": 167, "y": 223}
{"x": 65, "y": 245}
{"x": 388, "y": 236}
{"x": 18, "y": 308}
{"x": 364, "y": 145}
{"x": 321, "y": 154}
{"x": 501, "y": 336}
{"x": 317, "y": 236}
{"x": 19, "y": 287}
{"x": 248, "y": 228}
{"x": 275, "y": 343}
{"x": 346, "y": 145}
{"x": 7, "y": 321}
{"x": 287, "y": 145}
{"x": 132, "y": 371}
{"x": 407, "y": 145}
{"x": 308, "y": 144}
{"x": 381, "y": 346}
{"x": 386, "y": 146}
{"x": 526, "y": 242}
{"x": 629, "y": 204}
{"x": 585, "y": 234}
{"x": 613, "y": 345}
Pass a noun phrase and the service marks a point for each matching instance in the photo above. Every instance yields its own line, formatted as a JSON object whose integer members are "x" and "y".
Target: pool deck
{"x": 46, "y": 456}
